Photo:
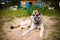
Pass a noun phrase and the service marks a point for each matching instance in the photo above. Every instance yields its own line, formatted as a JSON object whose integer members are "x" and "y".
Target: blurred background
{"x": 11, "y": 9}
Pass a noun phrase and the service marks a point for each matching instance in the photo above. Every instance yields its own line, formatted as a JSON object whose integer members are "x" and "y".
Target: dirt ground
{"x": 14, "y": 34}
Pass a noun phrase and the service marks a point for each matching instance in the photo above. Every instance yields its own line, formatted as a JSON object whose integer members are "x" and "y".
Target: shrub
{"x": 43, "y": 8}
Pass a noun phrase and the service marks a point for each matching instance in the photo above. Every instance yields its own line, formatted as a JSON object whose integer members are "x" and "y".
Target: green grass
{"x": 50, "y": 12}
{"x": 7, "y": 12}
{"x": 21, "y": 12}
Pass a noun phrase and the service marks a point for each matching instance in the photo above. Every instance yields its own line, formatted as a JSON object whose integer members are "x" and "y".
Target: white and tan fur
{"x": 34, "y": 24}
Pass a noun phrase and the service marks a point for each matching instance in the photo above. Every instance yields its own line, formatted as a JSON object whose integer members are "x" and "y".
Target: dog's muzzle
{"x": 36, "y": 20}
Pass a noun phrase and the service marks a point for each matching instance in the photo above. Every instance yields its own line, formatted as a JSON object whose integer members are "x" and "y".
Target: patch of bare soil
{"x": 14, "y": 34}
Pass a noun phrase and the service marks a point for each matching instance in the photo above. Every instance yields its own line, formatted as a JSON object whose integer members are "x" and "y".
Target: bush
{"x": 43, "y": 8}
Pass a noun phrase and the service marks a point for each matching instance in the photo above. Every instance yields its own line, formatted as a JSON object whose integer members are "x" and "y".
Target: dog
{"x": 36, "y": 22}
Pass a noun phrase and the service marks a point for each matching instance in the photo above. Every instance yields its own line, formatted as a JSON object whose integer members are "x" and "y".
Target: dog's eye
{"x": 37, "y": 15}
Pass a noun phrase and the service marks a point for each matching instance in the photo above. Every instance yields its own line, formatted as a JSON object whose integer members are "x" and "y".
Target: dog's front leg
{"x": 41, "y": 30}
{"x": 32, "y": 27}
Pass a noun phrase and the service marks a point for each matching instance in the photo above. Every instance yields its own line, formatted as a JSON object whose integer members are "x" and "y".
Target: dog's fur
{"x": 36, "y": 22}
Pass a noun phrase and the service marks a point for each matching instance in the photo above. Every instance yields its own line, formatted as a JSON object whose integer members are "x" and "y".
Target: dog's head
{"x": 36, "y": 16}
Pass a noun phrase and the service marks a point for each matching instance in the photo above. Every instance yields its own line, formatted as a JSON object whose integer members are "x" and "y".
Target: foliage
{"x": 43, "y": 8}
{"x": 54, "y": 3}
{"x": 15, "y": 2}
{"x": 10, "y": 3}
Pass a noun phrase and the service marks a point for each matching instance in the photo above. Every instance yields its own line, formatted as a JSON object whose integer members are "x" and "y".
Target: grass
{"x": 55, "y": 35}
{"x": 21, "y": 12}
{"x": 7, "y": 12}
{"x": 50, "y": 12}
